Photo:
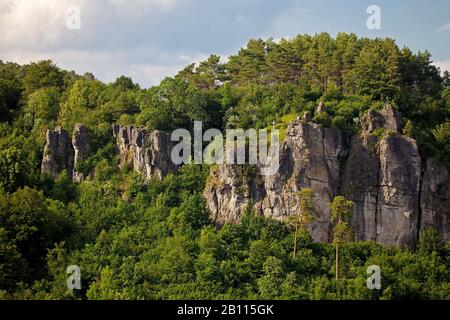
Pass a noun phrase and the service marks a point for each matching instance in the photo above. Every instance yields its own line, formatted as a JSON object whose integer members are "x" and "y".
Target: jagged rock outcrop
{"x": 435, "y": 199}
{"x": 388, "y": 118}
{"x": 62, "y": 153}
{"x": 382, "y": 176}
{"x": 378, "y": 168}
{"x": 230, "y": 190}
{"x": 147, "y": 152}
{"x": 58, "y": 153}
{"x": 82, "y": 149}
{"x": 308, "y": 158}
{"x": 399, "y": 179}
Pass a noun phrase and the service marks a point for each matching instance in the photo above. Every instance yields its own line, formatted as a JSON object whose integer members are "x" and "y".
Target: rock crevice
{"x": 147, "y": 152}
{"x": 378, "y": 168}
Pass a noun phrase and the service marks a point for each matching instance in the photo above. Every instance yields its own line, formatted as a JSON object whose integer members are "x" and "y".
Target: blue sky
{"x": 151, "y": 39}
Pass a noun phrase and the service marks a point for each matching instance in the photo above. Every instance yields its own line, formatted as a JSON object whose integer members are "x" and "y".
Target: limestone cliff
{"x": 82, "y": 149}
{"x": 396, "y": 191}
{"x": 62, "y": 153}
{"x": 147, "y": 152}
{"x": 58, "y": 153}
{"x": 435, "y": 199}
{"x": 378, "y": 168}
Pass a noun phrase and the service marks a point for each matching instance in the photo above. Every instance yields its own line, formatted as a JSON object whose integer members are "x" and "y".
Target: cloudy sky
{"x": 151, "y": 39}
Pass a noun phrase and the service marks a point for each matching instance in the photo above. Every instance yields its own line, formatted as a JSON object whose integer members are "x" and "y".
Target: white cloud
{"x": 42, "y": 23}
{"x": 142, "y": 6}
{"x": 289, "y": 22}
{"x": 29, "y": 23}
{"x": 107, "y": 66}
{"x": 443, "y": 65}
{"x": 32, "y": 30}
{"x": 444, "y": 28}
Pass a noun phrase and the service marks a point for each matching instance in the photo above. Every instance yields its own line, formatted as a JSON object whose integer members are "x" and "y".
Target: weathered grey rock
{"x": 82, "y": 149}
{"x": 360, "y": 184}
{"x": 435, "y": 199}
{"x": 229, "y": 191}
{"x": 321, "y": 108}
{"x": 58, "y": 153}
{"x": 381, "y": 173}
{"x": 388, "y": 118}
{"x": 383, "y": 178}
{"x": 308, "y": 158}
{"x": 147, "y": 152}
{"x": 399, "y": 179}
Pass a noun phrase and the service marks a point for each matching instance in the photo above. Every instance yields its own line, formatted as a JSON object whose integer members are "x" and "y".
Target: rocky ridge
{"x": 396, "y": 192}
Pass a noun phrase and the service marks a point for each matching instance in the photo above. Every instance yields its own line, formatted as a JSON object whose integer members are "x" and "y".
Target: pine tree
{"x": 341, "y": 212}
{"x": 304, "y": 215}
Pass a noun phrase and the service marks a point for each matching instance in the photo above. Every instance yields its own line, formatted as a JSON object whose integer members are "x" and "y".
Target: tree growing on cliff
{"x": 341, "y": 212}
{"x": 304, "y": 215}
{"x": 446, "y": 79}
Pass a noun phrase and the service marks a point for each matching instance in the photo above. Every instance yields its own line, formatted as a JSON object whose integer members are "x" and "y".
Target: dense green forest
{"x": 154, "y": 240}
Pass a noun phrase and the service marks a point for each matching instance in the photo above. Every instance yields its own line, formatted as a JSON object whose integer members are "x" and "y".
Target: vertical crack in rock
{"x": 58, "y": 153}
{"x": 379, "y": 169}
{"x": 82, "y": 149}
{"x": 146, "y": 152}
{"x": 435, "y": 199}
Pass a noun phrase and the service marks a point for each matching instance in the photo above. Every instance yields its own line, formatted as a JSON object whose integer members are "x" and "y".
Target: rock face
{"x": 388, "y": 118}
{"x": 384, "y": 184}
{"x": 435, "y": 199}
{"x": 230, "y": 190}
{"x": 378, "y": 168}
{"x": 58, "y": 153}
{"x": 382, "y": 176}
{"x": 62, "y": 153}
{"x": 147, "y": 152}
{"x": 82, "y": 149}
{"x": 308, "y": 158}
{"x": 306, "y": 116}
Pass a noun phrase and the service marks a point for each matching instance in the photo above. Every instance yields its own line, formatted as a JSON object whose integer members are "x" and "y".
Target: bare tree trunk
{"x": 337, "y": 262}
{"x": 295, "y": 237}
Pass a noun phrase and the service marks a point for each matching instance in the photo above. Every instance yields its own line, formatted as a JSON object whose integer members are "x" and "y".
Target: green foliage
{"x": 341, "y": 212}
{"x": 442, "y": 141}
{"x": 10, "y": 89}
{"x": 44, "y": 104}
{"x": 176, "y": 104}
{"x": 33, "y": 224}
{"x": 408, "y": 129}
{"x": 323, "y": 119}
{"x": 42, "y": 74}
{"x": 13, "y": 169}
{"x": 155, "y": 239}
{"x": 64, "y": 189}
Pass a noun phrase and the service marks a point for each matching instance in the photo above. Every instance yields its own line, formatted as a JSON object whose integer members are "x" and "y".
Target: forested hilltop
{"x": 136, "y": 239}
